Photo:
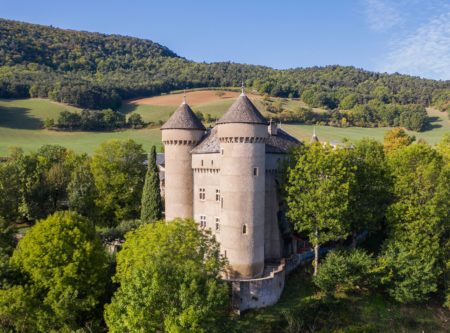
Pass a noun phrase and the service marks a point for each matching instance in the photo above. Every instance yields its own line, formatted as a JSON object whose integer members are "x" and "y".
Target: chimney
{"x": 273, "y": 128}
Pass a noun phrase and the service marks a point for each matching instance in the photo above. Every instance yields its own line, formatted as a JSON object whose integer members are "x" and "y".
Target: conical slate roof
{"x": 242, "y": 111}
{"x": 183, "y": 118}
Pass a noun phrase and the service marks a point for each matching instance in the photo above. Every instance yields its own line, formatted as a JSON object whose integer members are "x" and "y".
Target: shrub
{"x": 344, "y": 271}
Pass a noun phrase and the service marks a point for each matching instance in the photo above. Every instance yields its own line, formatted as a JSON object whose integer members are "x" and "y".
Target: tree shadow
{"x": 433, "y": 123}
{"x": 18, "y": 118}
{"x": 127, "y": 108}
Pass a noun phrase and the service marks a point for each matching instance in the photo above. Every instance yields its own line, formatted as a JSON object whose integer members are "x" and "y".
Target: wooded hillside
{"x": 96, "y": 71}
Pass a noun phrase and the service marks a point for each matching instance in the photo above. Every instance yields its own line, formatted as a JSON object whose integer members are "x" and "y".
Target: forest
{"x": 98, "y": 71}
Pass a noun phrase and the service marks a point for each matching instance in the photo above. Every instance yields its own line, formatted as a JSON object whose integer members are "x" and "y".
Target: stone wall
{"x": 258, "y": 293}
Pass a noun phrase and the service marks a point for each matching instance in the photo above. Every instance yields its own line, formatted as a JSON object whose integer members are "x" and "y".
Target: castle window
{"x": 221, "y": 151}
{"x": 217, "y": 224}
{"x": 244, "y": 229}
{"x": 221, "y": 202}
{"x": 225, "y": 253}
{"x": 217, "y": 195}
{"x": 202, "y": 162}
{"x": 202, "y": 194}
{"x": 255, "y": 171}
{"x": 212, "y": 163}
{"x": 203, "y": 221}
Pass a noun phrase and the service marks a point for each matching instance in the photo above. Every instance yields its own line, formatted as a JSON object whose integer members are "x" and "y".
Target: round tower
{"x": 242, "y": 133}
{"x": 180, "y": 134}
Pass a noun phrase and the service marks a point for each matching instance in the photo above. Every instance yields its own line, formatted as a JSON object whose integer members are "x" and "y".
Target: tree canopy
{"x": 318, "y": 191}
{"x": 169, "y": 280}
{"x": 65, "y": 270}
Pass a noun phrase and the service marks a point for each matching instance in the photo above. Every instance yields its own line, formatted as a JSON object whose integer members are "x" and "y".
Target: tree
{"x": 169, "y": 275}
{"x": 12, "y": 179}
{"x": 151, "y": 206}
{"x": 343, "y": 271}
{"x": 46, "y": 175}
{"x": 443, "y": 147}
{"x": 395, "y": 139}
{"x": 66, "y": 271}
{"x": 7, "y": 244}
{"x": 118, "y": 169}
{"x": 318, "y": 190}
{"x": 135, "y": 120}
{"x": 417, "y": 221}
{"x": 81, "y": 189}
{"x": 370, "y": 192}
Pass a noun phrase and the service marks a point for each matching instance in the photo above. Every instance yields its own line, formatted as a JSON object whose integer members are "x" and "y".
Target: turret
{"x": 182, "y": 132}
{"x": 242, "y": 133}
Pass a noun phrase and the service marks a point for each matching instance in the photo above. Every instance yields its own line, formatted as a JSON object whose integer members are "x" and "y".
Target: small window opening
{"x": 202, "y": 194}
{"x": 244, "y": 229}
{"x": 255, "y": 171}
{"x": 221, "y": 202}
{"x": 212, "y": 163}
{"x": 221, "y": 151}
{"x": 203, "y": 221}
{"x": 217, "y": 224}
{"x": 217, "y": 195}
{"x": 202, "y": 162}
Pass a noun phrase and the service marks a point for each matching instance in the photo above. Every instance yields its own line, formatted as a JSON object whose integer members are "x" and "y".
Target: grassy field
{"x": 302, "y": 309}
{"x": 21, "y": 122}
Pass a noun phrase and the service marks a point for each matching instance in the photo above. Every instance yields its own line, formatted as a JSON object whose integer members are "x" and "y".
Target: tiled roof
{"x": 209, "y": 144}
{"x": 281, "y": 143}
{"x": 183, "y": 118}
{"x": 242, "y": 111}
{"x": 278, "y": 144}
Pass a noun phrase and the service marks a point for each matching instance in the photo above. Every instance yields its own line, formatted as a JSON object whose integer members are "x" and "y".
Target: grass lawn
{"x": 302, "y": 309}
{"x": 21, "y": 122}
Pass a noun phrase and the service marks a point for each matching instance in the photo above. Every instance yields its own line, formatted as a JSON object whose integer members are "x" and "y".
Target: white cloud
{"x": 381, "y": 15}
{"x": 426, "y": 52}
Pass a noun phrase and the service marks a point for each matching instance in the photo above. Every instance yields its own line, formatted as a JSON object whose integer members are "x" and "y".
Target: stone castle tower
{"x": 182, "y": 132}
{"x": 242, "y": 133}
{"x": 225, "y": 179}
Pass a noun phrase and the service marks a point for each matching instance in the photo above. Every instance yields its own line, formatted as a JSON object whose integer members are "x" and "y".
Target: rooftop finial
{"x": 242, "y": 88}
{"x": 184, "y": 96}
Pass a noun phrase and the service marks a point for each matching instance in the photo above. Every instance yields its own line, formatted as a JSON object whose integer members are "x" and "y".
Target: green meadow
{"x": 21, "y": 126}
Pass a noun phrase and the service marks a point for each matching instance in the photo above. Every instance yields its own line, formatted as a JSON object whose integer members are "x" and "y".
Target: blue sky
{"x": 408, "y": 36}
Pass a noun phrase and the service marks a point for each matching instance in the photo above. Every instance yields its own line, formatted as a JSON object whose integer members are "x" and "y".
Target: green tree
{"x": 370, "y": 192}
{"x": 151, "y": 206}
{"x": 66, "y": 272}
{"x": 135, "y": 120}
{"x": 7, "y": 244}
{"x": 81, "y": 188}
{"x": 396, "y": 138}
{"x": 12, "y": 181}
{"x": 417, "y": 220}
{"x": 45, "y": 175}
{"x": 443, "y": 147}
{"x": 118, "y": 169}
{"x": 318, "y": 190}
{"x": 343, "y": 271}
{"x": 169, "y": 276}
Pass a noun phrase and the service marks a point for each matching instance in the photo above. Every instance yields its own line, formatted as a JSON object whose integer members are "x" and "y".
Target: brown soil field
{"x": 192, "y": 97}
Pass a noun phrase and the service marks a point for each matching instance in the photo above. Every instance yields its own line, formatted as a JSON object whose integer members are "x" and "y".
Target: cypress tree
{"x": 151, "y": 207}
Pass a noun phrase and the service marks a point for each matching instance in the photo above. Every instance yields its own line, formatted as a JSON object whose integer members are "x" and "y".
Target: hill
{"x": 93, "y": 70}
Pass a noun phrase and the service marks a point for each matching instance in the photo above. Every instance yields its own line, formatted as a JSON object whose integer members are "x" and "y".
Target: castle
{"x": 225, "y": 178}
